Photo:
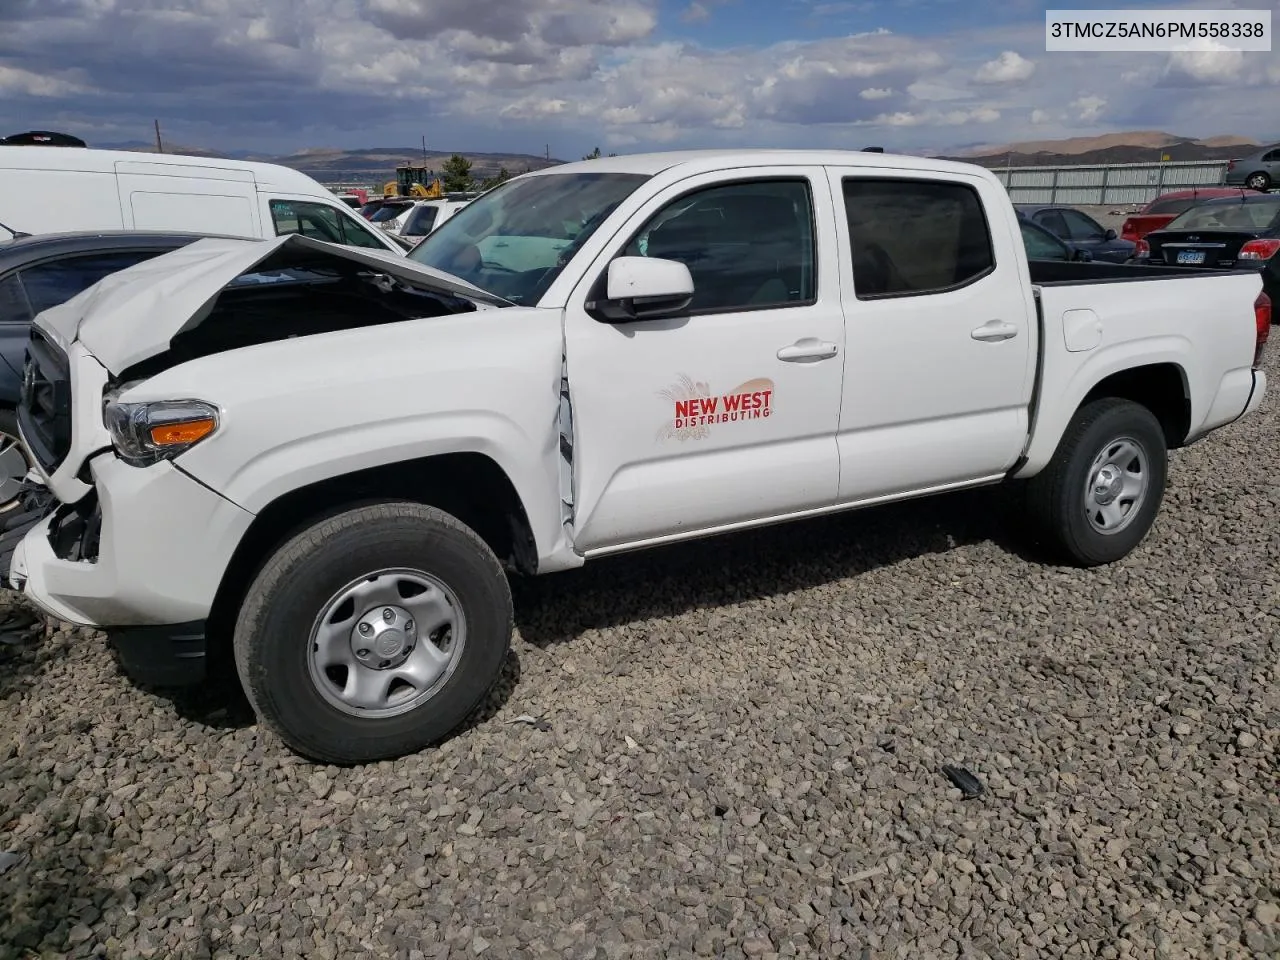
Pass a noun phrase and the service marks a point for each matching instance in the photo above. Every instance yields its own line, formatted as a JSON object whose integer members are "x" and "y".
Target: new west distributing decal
{"x": 695, "y": 410}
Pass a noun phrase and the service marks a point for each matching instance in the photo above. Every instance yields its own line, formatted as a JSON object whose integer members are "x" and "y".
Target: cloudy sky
{"x": 513, "y": 75}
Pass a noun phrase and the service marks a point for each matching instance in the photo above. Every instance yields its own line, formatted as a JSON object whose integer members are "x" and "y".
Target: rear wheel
{"x": 1100, "y": 493}
{"x": 1258, "y": 181}
{"x": 14, "y": 464}
{"x": 374, "y": 633}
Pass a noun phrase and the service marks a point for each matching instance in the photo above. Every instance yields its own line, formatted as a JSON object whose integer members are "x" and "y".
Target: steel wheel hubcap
{"x": 1117, "y": 485}
{"x": 386, "y": 643}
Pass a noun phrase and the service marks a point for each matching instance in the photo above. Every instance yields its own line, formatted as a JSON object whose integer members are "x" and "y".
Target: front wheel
{"x": 1099, "y": 495}
{"x": 1258, "y": 181}
{"x": 374, "y": 633}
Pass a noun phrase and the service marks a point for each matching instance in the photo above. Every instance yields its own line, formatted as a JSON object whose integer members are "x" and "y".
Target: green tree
{"x": 456, "y": 174}
{"x": 502, "y": 176}
{"x": 593, "y": 155}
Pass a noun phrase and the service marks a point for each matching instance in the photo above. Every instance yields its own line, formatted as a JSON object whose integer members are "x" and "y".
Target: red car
{"x": 1161, "y": 211}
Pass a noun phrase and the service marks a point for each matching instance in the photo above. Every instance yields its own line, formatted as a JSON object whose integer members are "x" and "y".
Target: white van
{"x": 54, "y": 189}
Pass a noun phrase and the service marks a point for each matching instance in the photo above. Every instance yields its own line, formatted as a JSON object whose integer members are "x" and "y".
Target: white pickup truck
{"x": 329, "y": 459}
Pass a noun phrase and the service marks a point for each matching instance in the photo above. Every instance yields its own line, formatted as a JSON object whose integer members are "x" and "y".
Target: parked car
{"x": 1080, "y": 230}
{"x": 1040, "y": 244}
{"x": 1161, "y": 211}
{"x": 1226, "y": 234}
{"x": 427, "y": 215}
{"x": 39, "y": 272}
{"x": 1258, "y": 171}
{"x": 375, "y": 204}
{"x": 46, "y": 189}
{"x": 390, "y": 208}
{"x": 330, "y": 459}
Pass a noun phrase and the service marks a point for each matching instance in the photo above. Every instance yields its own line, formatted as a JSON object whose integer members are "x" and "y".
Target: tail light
{"x": 1259, "y": 249}
{"x": 1231, "y": 164}
{"x": 1261, "y": 316}
{"x": 1143, "y": 249}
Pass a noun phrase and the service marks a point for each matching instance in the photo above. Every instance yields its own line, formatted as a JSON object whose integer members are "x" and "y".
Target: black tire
{"x": 1056, "y": 497}
{"x": 272, "y": 637}
{"x": 1259, "y": 181}
{"x": 8, "y": 433}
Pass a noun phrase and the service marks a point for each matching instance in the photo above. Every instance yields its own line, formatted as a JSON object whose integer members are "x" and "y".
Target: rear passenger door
{"x": 940, "y": 331}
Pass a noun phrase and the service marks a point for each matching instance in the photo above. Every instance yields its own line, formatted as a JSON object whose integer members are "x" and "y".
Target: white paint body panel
{"x": 1197, "y": 323}
{"x": 924, "y": 403}
{"x": 646, "y": 470}
{"x": 54, "y": 189}
{"x": 904, "y": 403}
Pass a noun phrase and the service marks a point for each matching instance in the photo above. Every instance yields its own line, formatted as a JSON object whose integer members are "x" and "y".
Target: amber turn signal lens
{"x": 168, "y": 434}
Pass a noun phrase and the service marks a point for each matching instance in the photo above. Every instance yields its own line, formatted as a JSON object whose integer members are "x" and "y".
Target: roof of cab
{"x": 651, "y": 164}
{"x": 104, "y": 161}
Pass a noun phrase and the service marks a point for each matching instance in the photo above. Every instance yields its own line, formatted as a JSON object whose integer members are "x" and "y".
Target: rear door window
{"x": 915, "y": 236}
{"x": 49, "y": 284}
{"x": 1081, "y": 226}
{"x": 1053, "y": 221}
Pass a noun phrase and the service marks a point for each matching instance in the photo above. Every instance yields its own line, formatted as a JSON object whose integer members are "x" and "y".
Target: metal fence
{"x": 1118, "y": 184}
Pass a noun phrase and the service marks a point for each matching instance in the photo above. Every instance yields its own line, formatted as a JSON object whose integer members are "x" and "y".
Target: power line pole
{"x": 159, "y": 145}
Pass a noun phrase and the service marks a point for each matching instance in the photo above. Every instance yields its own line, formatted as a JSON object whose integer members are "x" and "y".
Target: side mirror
{"x": 644, "y": 288}
{"x": 1109, "y": 235}
{"x": 1084, "y": 256}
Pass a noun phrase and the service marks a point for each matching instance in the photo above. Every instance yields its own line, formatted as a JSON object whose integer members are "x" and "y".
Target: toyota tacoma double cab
{"x": 330, "y": 460}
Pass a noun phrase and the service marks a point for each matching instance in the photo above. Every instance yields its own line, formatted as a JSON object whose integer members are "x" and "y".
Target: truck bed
{"x": 1061, "y": 273}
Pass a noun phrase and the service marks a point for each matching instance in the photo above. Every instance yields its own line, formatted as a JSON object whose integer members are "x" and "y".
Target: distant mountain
{"x": 1137, "y": 146}
{"x": 143, "y": 146}
{"x": 374, "y": 165}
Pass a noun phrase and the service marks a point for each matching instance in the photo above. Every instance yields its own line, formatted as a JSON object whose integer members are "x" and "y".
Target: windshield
{"x": 515, "y": 240}
{"x": 1229, "y": 216}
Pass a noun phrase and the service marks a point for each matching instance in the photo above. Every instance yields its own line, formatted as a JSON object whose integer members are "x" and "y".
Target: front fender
{"x": 300, "y": 411}
{"x": 272, "y": 473}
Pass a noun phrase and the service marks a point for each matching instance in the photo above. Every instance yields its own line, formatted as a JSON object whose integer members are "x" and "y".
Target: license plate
{"x": 1191, "y": 256}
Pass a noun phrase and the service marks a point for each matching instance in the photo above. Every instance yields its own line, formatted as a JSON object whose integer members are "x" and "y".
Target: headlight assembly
{"x": 146, "y": 433}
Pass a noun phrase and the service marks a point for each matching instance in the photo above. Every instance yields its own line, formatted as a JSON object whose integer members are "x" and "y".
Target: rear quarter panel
{"x": 1203, "y": 325}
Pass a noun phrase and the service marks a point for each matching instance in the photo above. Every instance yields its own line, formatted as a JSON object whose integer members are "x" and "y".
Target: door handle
{"x": 808, "y": 350}
{"x": 993, "y": 331}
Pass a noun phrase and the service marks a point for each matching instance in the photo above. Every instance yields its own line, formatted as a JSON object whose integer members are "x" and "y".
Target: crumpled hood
{"x": 133, "y": 314}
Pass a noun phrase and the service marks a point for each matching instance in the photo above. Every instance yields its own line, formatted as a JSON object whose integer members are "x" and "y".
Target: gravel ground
{"x": 740, "y": 756}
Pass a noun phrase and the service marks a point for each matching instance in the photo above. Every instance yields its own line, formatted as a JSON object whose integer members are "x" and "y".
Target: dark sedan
{"x": 1078, "y": 230}
{"x": 1043, "y": 245}
{"x": 38, "y": 272}
{"x": 1227, "y": 234}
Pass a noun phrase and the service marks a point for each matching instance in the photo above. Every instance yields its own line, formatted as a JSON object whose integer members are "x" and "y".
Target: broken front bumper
{"x": 146, "y": 547}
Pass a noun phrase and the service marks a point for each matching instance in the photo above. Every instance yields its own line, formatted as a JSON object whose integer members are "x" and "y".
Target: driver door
{"x": 727, "y": 415}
